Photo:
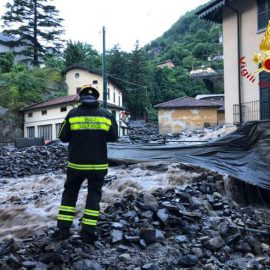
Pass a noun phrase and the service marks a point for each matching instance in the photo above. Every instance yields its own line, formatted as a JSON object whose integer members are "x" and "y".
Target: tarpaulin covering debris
{"x": 244, "y": 154}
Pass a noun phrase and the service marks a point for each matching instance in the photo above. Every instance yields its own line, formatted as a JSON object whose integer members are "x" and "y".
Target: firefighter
{"x": 87, "y": 128}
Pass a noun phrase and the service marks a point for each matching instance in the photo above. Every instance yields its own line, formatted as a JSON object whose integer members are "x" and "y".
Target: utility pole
{"x": 104, "y": 74}
{"x": 146, "y": 101}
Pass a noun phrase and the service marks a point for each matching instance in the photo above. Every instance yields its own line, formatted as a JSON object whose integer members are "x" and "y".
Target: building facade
{"x": 44, "y": 119}
{"x": 244, "y": 22}
{"x": 186, "y": 112}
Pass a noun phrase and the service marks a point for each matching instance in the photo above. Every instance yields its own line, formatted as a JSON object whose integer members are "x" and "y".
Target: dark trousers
{"x": 72, "y": 186}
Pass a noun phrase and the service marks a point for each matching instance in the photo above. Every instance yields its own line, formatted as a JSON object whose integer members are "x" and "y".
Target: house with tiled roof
{"x": 186, "y": 112}
{"x": 44, "y": 119}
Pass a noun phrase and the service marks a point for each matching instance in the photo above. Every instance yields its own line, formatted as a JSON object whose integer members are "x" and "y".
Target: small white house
{"x": 44, "y": 119}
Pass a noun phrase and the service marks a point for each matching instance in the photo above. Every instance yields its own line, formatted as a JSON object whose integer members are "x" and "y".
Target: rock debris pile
{"x": 185, "y": 227}
{"x": 141, "y": 132}
{"x": 34, "y": 160}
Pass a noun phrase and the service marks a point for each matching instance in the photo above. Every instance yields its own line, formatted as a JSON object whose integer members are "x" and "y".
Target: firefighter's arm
{"x": 64, "y": 132}
{"x": 112, "y": 135}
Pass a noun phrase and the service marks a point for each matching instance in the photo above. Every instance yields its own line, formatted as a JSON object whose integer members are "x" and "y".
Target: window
{"x": 45, "y": 131}
{"x": 263, "y": 13}
{"x": 30, "y": 132}
{"x": 113, "y": 97}
{"x": 77, "y": 75}
{"x": 119, "y": 100}
{"x": 30, "y": 114}
{"x": 44, "y": 112}
{"x": 78, "y": 89}
{"x": 114, "y": 114}
{"x": 57, "y": 128}
{"x": 108, "y": 93}
{"x": 63, "y": 109}
{"x": 95, "y": 82}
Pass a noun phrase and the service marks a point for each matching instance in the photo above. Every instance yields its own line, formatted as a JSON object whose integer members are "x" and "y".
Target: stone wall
{"x": 11, "y": 125}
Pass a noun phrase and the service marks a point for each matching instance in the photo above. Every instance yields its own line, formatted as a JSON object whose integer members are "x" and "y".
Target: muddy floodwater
{"x": 159, "y": 216}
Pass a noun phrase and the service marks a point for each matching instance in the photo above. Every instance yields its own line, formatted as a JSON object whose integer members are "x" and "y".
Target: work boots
{"x": 89, "y": 237}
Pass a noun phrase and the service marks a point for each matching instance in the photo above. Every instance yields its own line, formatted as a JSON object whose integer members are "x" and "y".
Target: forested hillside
{"x": 188, "y": 44}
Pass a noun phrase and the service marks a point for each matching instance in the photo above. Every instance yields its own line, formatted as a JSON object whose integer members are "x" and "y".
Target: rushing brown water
{"x": 29, "y": 205}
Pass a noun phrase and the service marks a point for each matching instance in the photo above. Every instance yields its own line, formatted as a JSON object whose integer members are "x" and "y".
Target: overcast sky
{"x": 125, "y": 21}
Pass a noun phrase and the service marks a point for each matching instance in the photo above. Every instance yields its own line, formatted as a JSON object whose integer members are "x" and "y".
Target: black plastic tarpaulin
{"x": 244, "y": 154}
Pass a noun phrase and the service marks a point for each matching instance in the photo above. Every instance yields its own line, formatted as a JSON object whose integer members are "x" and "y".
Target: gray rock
{"x": 124, "y": 257}
{"x": 181, "y": 239}
{"x": 116, "y": 236}
{"x": 41, "y": 266}
{"x": 163, "y": 215}
{"x": 152, "y": 236}
{"x": 197, "y": 251}
{"x": 29, "y": 264}
{"x": 87, "y": 265}
{"x": 151, "y": 266}
{"x": 215, "y": 243}
{"x": 188, "y": 260}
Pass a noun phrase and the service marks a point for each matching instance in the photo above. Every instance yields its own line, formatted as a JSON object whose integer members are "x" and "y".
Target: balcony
{"x": 250, "y": 112}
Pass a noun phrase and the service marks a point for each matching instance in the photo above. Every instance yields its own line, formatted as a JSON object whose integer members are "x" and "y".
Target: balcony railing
{"x": 250, "y": 112}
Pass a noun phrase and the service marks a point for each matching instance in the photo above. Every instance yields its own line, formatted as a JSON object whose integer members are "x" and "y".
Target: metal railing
{"x": 250, "y": 112}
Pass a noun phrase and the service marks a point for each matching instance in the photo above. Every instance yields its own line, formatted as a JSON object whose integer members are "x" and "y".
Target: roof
{"x": 213, "y": 11}
{"x": 62, "y": 100}
{"x": 53, "y": 102}
{"x": 188, "y": 102}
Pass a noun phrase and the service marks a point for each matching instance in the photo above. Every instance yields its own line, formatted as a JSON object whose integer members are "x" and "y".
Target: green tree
{"x": 117, "y": 66}
{"x": 38, "y": 26}
{"x": 140, "y": 74}
{"x": 23, "y": 86}
{"x": 82, "y": 54}
{"x": 6, "y": 61}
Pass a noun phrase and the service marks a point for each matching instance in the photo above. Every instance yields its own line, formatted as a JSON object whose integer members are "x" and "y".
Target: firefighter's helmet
{"x": 89, "y": 90}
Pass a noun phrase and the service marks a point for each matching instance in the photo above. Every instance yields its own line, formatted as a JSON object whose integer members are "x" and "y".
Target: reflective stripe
{"x": 94, "y": 126}
{"x": 92, "y": 119}
{"x": 67, "y": 208}
{"x": 65, "y": 217}
{"x": 93, "y": 213}
{"x": 89, "y": 221}
{"x": 94, "y": 167}
{"x": 90, "y": 122}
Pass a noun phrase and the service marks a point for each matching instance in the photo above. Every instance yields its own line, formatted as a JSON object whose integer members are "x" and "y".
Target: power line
{"x": 143, "y": 86}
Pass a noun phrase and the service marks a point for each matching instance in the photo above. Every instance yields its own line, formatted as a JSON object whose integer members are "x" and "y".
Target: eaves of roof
{"x": 213, "y": 11}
